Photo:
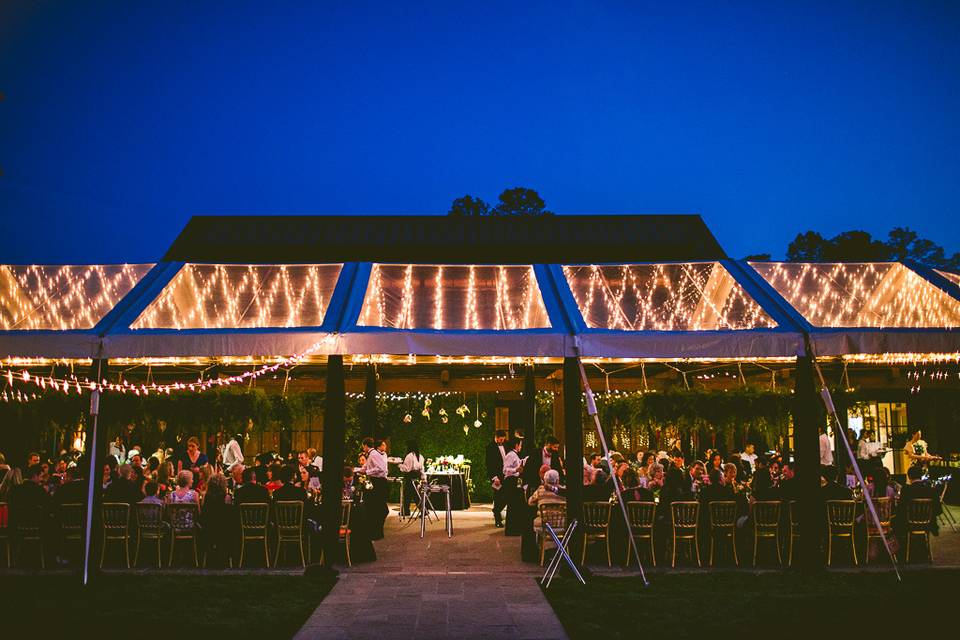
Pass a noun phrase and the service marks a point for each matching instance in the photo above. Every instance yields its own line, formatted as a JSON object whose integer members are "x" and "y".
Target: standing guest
{"x": 916, "y": 449}
{"x": 348, "y": 480}
{"x": 749, "y": 459}
{"x": 193, "y": 459}
{"x": 826, "y": 448}
{"x": 496, "y": 452}
{"x": 513, "y": 496}
{"x": 183, "y": 493}
{"x": 116, "y": 449}
{"x": 548, "y": 455}
{"x": 375, "y": 469}
{"x": 232, "y": 454}
{"x": 412, "y": 469}
{"x": 250, "y": 491}
{"x": 315, "y": 460}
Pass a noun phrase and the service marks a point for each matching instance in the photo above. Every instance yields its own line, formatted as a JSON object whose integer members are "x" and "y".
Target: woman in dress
{"x": 184, "y": 492}
{"x": 193, "y": 459}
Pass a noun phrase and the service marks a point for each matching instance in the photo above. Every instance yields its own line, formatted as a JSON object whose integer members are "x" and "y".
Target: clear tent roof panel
{"x": 952, "y": 277}
{"x": 696, "y": 296}
{"x": 861, "y": 295}
{"x": 230, "y": 296}
{"x": 62, "y": 297}
{"x": 471, "y": 297}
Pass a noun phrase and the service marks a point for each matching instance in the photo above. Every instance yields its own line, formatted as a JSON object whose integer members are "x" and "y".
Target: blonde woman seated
{"x": 183, "y": 492}
{"x": 546, "y": 493}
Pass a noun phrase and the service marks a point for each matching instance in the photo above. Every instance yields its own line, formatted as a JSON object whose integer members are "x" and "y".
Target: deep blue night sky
{"x": 122, "y": 119}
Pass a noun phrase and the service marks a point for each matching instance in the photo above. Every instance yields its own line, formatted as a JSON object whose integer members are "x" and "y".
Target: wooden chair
{"x": 150, "y": 527}
{"x": 27, "y": 531}
{"x": 919, "y": 517}
{"x": 766, "y": 526}
{"x": 841, "y": 517}
{"x": 71, "y": 524}
{"x": 253, "y": 527}
{"x": 884, "y": 507}
{"x": 596, "y": 526}
{"x": 642, "y": 516}
{"x": 554, "y": 513}
{"x": 116, "y": 528}
{"x": 723, "y": 524}
{"x": 685, "y": 516}
{"x": 794, "y": 509}
{"x": 5, "y": 531}
{"x": 184, "y": 521}
{"x": 288, "y": 516}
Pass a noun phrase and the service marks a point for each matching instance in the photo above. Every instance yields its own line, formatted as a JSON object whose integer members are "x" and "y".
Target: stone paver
{"x": 470, "y": 586}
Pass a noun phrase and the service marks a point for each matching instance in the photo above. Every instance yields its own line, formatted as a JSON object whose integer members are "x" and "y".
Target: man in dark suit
{"x": 250, "y": 491}
{"x": 74, "y": 490}
{"x": 916, "y": 489}
{"x": 495, "y": 455}
{"x": 123, "y": 489}
{"x": 287, "y": 490}
{"x": 27, "y": 496}
{"x": 789, "y": 489}
{"x": 549, "y": 454}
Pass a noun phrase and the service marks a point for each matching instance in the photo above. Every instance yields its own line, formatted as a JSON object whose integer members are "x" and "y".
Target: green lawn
{"x": 184, "y": 606}
{"x": 766, "y": 606}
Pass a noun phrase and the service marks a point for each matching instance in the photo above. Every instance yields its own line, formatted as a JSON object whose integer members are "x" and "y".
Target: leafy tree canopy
{"x": 853, "y": 246}
{"x": 518, "y": 201}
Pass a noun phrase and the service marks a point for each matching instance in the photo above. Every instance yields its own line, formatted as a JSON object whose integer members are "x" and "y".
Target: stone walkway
{"x": 470, "y": 586}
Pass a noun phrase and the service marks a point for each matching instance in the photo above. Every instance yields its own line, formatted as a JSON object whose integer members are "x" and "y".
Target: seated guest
{"x": 715, "y": 489}
{"x": 250, "y": 491}
{"x": 789, "y": 488}
{"x": 166, "y": 479}
{"x": 73, "y": 490}
{"x": 881, "y": 486}
{"x": 697, "y": 476}
{"x": 236, "y": 476}
{"x": 766, "y": 482}
{"x": 646, "y": 461}
{"x": 632, "y": 491}
{"x": 123, "y": 488}
{"x": 655, "y": 478}
{"x": 28, "y": 495}
{"x": 150, "y": 489}
{"x": 830, "y": 489}
{"x": 183, "y": 493}
{"x": 548, "y": 492}
{"x": 676, "y": 487}
{"x": 917, "y": 487}
{"x": 287, "y": 490}
{"x": 218, "y": 518}
{"x": 273, "y": 480}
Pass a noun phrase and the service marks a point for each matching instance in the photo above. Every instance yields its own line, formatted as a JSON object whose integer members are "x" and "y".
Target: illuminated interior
{"x": 62, "y": 297}
{"x": 861, "y": 295}
{"x": 663, "y": 297}
{"x": 414, "y": 296}
{"x": 952, "y": 277}
{"x": 217, "y": 296}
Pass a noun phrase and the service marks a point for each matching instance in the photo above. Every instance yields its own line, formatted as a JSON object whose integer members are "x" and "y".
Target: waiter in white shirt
{"x": 375, "y": 468}
{"x": 826, "y": 448}
{"x": 232, "y": 453}
{"x": 412, "y": 468}
{"x": 495, "y": 454}
{"x": 513, "y": 493}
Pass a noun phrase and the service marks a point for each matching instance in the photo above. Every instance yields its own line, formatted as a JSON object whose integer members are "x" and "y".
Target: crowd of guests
{"x": 666, "y": 477}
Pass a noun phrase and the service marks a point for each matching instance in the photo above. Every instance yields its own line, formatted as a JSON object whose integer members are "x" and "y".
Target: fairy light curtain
{"x": 952, "y": 277}
{"x": 483, "y": 297}
{"x": 217, "y": 296}
{"x": 861, "y": 295}
{"x": 697, "y": 296}
{"x": 63, "y": 297}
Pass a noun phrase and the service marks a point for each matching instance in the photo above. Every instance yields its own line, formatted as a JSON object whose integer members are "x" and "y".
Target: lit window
{"x": 217, "y": 296}
{"x": 453, "y": 297}
{"x": 63, "y": 297}
{"x": 699, "y": 296}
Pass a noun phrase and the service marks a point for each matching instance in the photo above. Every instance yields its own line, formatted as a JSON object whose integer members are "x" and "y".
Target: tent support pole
{"x": 96, "y": 453}
{"x": 806, "y": 442}
{"x": 573, "y": 437}
{"x": 334, "y": 434}
{"x": 371, "y": 425}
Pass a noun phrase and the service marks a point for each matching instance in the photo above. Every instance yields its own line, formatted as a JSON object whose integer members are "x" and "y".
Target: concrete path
{"x": 470, "y": 586}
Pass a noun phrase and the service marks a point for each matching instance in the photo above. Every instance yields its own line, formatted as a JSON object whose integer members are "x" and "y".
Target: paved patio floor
{"x": 472, "y": 585}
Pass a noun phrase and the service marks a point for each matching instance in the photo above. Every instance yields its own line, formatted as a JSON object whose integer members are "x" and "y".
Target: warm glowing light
{"x": 880, "y": 294}
{"x": 414, "y": 296}
{"x": 63, "y": 297}
{"x": 903, "y": 358}
{"x": 663, "y": 297}
{"x": 216, "y": 296}
{"x": 952, "y": 277}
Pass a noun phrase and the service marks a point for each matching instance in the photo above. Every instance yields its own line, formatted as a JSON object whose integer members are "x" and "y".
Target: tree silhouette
{"x": 518, "y": 201}
{"x": 858, "y": 246}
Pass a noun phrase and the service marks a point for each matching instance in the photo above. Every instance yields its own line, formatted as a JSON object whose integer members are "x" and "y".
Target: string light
{"x": 415, "y": 296}
{"x": 217, "y": 296}
{"x": 861, "y": 295}
{"x": 663, "y": 297}
{"x": 952, "y": 277}
{"x": 62, "y": 297}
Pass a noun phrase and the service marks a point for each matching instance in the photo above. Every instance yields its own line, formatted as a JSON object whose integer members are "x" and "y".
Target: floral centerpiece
{"x": 446, "y": 464}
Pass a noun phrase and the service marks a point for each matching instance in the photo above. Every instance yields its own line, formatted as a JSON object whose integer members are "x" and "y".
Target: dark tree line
{"x": 518, "y": 201}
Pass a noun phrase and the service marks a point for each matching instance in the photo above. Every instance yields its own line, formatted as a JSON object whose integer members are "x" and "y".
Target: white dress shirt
{"x": 376, "y": 464}
{"x": 232, "y": 454}
{"x": 826, "y": 450}
{"x": 511, "y": 465}
{"x": 318, "y": 463}
{"x": 751, "y": 459}
{"x": 412, "y": 462}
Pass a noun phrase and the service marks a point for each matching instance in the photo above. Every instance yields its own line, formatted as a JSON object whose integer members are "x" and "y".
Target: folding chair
{"x": 253, "y": 527}
{"x": 642, "y": 516}
{"x": 596, "y": 526}
{"x": 841, "y": 517}
{"x": 766, "y": 526}
{"x": 723, "y": 524}
{"x": 554, "y": 514}
{"x": 289, "y": 520}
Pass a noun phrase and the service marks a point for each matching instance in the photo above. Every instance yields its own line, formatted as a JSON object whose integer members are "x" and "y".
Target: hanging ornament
{"x": 466, "y": 429}
{"x": 477, "y": 423}
{"x": 407, "y": 419}
{"x": 463, "y": 410}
